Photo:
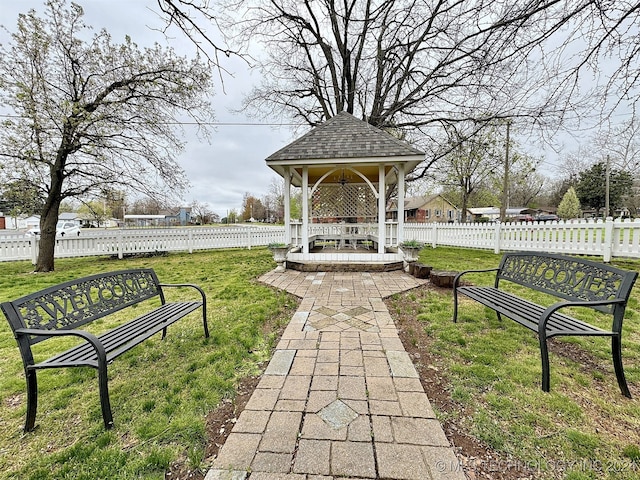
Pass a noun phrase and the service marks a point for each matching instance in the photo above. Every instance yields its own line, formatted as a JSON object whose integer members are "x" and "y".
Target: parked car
{"x": 63, "y": 229}
{"x": 547, "y": 217}
{"x": 522, "y": 218}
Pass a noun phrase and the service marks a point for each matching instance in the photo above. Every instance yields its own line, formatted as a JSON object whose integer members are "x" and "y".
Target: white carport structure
{"x": 344, "y": 168}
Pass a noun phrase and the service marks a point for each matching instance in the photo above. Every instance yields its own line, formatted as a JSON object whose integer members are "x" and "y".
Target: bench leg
{"x": 204, "y": 320}
{"x": 32, "y": 400}
{"x": 455, "y": 304}
{"x": 544, "y": 355}
{"x": 616, "y": 350}
{"x": 105, "y": 404}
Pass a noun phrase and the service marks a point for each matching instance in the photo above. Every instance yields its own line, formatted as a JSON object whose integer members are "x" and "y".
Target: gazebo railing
{"x": 341, "y": 230}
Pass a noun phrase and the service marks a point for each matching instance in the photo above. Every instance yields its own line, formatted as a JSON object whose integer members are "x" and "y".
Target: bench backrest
{"x": 77, "y": 302}
{"x": 566, "y": 277}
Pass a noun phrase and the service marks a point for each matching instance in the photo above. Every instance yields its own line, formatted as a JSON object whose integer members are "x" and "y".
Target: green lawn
{"x": 583, "y": 429}
{"x": 160, "y": 391}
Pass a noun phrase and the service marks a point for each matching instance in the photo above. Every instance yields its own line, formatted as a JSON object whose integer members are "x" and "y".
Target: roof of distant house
{"x": 69, "y": 216}
{"x": 493, "y": 211}
{"x": 414, "y": 203}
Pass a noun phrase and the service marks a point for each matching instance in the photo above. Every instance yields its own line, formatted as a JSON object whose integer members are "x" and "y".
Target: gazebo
{"x": 344, "y": 168}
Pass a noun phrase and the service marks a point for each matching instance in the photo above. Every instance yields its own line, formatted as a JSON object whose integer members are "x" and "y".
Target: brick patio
{"x": 340, "y": 398}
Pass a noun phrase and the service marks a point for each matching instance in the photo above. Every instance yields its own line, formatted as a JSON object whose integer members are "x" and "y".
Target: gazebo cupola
{"x": 344, "y": 168}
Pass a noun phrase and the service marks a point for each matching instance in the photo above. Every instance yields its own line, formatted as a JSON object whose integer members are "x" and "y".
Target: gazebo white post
{"x": 400, "y": 203}
{"x": 382, "y": 233}
{"x": 287, "y": 205}
{"x": 305, "y": 209}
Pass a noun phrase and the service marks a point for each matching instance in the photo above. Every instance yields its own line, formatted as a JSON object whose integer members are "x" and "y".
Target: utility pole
{"x": 607, "y": 174}
{"x": 505, "y": 179}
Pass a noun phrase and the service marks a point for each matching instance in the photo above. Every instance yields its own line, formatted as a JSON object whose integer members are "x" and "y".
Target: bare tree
{"x": 405, "y": 64}
{"x": 622, "y": 144}
{"x": 399, "y": 63}
{"x": 275, "y": 200}
{"x": 420, "y": 67}
{"x": 202, "y": 213}
{"x": 598, "y": 51}
{"x": 195, "y": 18}
{"x": 555, "y": 189}
{"x": 91, "y": 115}
{"x": 146, "y": 206}
{"x": 471, "y": 163}
{"x": 526, "y": 184}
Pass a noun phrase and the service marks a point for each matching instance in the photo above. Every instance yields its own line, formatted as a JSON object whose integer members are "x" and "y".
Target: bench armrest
{"x": 89, "y": 337}
{"x": 457, "y": 277}
{"x": 546, "y": 315}
{"x": 204, "y": 301}
{"x": 180, "y": 285}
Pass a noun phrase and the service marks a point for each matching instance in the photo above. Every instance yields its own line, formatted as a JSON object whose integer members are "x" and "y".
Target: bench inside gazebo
{"x": 345, "y": 168}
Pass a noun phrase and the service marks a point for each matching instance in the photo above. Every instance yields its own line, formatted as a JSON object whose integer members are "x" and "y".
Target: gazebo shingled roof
{"x": 344, "y": 140}
{"x": 344, "y": 136}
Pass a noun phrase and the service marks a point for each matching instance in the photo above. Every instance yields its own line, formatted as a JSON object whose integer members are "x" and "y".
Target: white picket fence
{"x": 124, "y": 241}
{"x": 603, "y": 239}
{"x": 619, "y": 238}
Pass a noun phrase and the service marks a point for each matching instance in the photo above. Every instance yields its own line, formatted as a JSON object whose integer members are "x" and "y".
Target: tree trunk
{"x": 465, "y": 203}
{"x": 51, "y": 210}
{"x": 46, "y": 248}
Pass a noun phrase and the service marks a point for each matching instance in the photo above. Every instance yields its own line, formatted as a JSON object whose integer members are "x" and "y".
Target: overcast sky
{"x": 233, "y": 163}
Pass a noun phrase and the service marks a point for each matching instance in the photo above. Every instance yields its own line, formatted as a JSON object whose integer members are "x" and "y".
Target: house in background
{"x": 72, "y": 217}
{"x": 33, "y": 221}
{"x": 177, "y": 216}
{"x": 426, "y": 209}
{"x": 519, "y": 214}
{"x": 166, "y": 218}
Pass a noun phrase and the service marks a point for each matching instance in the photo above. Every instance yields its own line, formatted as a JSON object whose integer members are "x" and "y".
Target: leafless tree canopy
{"x": 197, "y": 20}
{"x": 600, "y": 47}
{"x": 416, "y": 64}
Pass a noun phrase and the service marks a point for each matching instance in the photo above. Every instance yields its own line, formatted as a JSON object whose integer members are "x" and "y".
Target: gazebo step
{"x": 343, "y": 266}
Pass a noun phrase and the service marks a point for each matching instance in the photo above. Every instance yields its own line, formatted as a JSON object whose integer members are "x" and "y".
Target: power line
{"x": 214, "y": 124}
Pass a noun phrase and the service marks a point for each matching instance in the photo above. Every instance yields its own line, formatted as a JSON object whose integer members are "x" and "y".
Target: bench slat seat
{"x": 576, "y": 282}
{"x": 123, "y": 338}
{"x": 528, "y": 314}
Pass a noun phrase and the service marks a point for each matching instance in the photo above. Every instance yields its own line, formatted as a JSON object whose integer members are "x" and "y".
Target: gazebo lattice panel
{"x": 344, "y": 201}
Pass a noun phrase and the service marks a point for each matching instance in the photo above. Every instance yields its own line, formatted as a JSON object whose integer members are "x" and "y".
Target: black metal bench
{"x": 578, "y": 282}
{"x": 62, "y": 309}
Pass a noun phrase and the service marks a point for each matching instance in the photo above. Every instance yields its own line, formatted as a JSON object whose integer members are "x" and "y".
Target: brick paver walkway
{"x": 340, "y": 398}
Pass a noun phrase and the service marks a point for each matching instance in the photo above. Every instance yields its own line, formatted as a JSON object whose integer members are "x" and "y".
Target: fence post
{"x": 34, "y": 250}
{"x": 248, "y": 238}
{"x": 190, "y": 241}
{"x": 434, "y": 234}
{"x": 119, "y": 244}
{"x": 608, "y": 240}
{"x": 496, "y": 240}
